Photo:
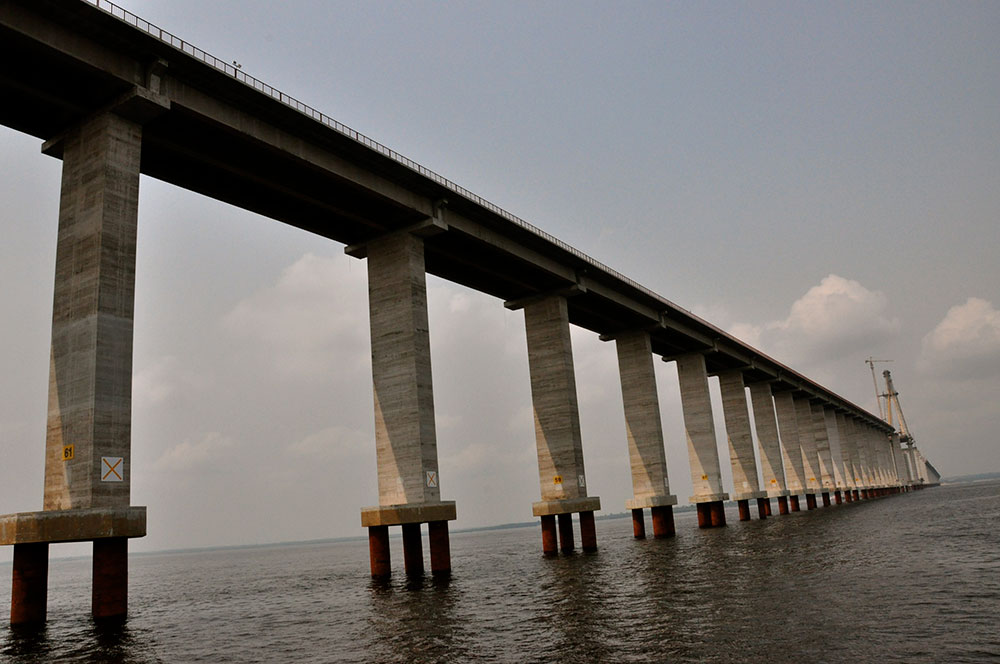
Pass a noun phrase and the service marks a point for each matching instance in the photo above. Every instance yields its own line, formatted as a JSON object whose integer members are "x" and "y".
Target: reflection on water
{"x": 910, "y": 578}
{"x": 28, "y": 644}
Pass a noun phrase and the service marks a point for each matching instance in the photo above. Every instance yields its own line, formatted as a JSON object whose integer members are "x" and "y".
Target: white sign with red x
{"x": 112, "y": 469}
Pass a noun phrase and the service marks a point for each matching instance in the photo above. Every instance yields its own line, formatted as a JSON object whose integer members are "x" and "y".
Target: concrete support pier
{"x": 769, "y": 443}
{"x": 88, "y": 437}
{"x": 558, "y": 441}
{"x": 810, "y": 455}
{"x": 644, "y": 432}
{"x": 840, "y": 480}
{"x": 405, "y": 439}
{"x": 746, "y": 485}
{"x": 864, "y": 458}
{"x": 827, "y": 474}
{"x": 791, "y": 449}
{"x": 703, "y": 453}
{"x": 848, "y": 455}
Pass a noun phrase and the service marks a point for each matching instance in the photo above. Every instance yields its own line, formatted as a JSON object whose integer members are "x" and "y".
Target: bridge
{"x": 114, "y": 97}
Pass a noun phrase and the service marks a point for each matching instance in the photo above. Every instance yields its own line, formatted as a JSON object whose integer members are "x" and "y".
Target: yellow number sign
{"x": 67, "y": 452}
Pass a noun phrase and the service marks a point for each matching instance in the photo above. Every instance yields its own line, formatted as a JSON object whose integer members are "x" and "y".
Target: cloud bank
{"x": 965, "y": 344}
{"x": 832, "y": 321}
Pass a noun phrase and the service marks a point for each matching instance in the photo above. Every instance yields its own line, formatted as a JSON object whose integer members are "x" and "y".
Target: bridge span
{"x": 114, "y": 97}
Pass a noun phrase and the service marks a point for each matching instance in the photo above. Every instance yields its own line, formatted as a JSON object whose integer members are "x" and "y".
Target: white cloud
{"x": 152, "y": 384}
{"x": 158, "y": 381}
{"x": 334, "y": 442}
{"x": 199, "y": 455}
{"x": 316, "y": 311}
{"x": 965, "y": 344}
{"x": 833, "y": 320}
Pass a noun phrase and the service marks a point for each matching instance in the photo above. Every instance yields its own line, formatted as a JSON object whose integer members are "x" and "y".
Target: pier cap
{"x": 82, "y": 525}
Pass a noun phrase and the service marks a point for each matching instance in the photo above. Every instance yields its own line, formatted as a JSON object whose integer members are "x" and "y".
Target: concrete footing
{"x": 826, "y": 499}
{"x": 849, "y": 496}
{"x": 837, "y": 498}
{"x": 763, "y": 508}
{"x": 744, "y": 509}
{"x": 857, "y": 494}
{"x": 409, "y": 517}
{"x": 557, "y": 517}
{"x": 783, "y": 504}
{"x": 793, "y": 503}
{"x": 110, "y": 593}
{"x": 711, "y": 515}
{"x": 29, "y": 591}
{"x": 31, "y": 533}
{"x": 810, "y": 501}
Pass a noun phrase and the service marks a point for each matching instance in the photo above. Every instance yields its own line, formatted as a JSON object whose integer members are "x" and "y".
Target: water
{"x": 911, "y": 578}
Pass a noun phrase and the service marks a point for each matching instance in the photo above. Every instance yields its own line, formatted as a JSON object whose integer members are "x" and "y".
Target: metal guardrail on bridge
{"x": 255, "y": 83}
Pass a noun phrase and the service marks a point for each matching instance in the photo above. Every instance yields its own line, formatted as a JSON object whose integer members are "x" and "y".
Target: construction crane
{"x": 892, "y": 397}
{"x": 878, "y": 397}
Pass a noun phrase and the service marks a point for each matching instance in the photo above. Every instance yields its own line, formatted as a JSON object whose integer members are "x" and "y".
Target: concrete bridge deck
{"x": 226, "y": 135}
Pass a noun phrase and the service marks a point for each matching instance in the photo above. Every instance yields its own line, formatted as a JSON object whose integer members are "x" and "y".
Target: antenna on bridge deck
{"x": 878, "y": 397}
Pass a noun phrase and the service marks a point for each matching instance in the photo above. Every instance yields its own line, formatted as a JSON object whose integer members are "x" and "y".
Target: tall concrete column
{"x": 921, "y": 468}
{"x": 791, "y": 449}
{"x": 879, "y": 444}
{"x": 409, "y": 484}
{"x": 874, "y": 460}
{"x": 876, "y": 454}
{"x": 858, "y": 457}
{"x": 88, "y": 435}
{"x": 846, "y": 455}
{"x": 912, "y": 461}
{"x": 644, "y": 429}
{"x": 810, "y": 457}
{"x": 703, "y": 452}
{"x": 882, "y": 447}
{"x": 90, "y": 379}
{"x": 910, "y": 468}
{"x": 772, "y": 472}
{"x": 558, "y": 441}
{"x": 827, "y": 477}
{"x": 746, "y": 485}
{"x": 836, "y": 451}
{"x": 865, "y": 457}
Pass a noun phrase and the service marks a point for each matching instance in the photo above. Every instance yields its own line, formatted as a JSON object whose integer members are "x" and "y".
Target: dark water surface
{"x": 911, "y": 578}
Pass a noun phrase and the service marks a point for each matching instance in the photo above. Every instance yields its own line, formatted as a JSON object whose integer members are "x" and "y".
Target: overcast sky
{"x": 821, "y": 179}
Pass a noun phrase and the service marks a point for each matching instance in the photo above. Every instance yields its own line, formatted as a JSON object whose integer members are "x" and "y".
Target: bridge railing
{"x": 255, "y": 83}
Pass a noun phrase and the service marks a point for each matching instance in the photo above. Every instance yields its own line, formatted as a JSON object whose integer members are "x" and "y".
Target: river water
{"x": 908, "y": 578}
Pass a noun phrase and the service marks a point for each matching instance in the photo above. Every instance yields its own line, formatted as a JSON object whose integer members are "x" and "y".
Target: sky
{"x": 820, "y": 179}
